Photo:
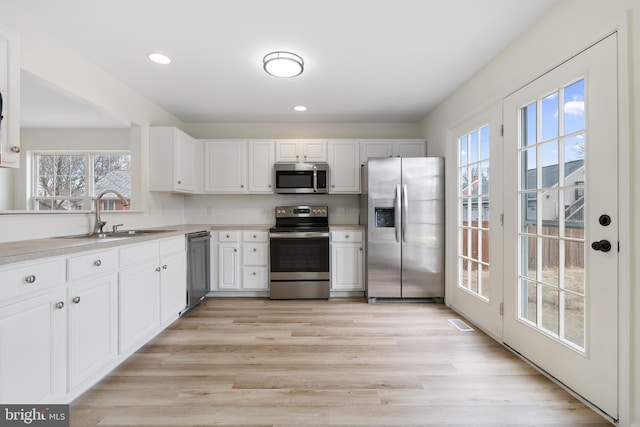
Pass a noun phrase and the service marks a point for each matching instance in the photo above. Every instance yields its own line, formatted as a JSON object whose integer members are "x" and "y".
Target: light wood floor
{"x": 241, "y": 362}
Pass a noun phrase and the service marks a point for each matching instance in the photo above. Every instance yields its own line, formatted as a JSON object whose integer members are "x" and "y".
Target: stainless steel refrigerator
{"x": 402, "y": 208}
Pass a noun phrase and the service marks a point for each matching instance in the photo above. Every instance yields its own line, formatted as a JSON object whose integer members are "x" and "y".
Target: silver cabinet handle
{"x": 158, "y": 269}
{"x": 76, "y": 300}
{"x": 30, "y": 278}
{"x": 164, "y": 267}
{"x": 59, "y": 305}
{"x": 98, "y": 263}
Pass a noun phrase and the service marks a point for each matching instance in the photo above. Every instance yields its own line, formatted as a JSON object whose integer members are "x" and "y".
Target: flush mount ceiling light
{"x": 283, "y": 64}
{"x": 159, "y": 58}
{"x": 300, "y": 108}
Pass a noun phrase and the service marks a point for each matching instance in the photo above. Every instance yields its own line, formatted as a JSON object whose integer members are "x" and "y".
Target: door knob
{"x": 602, "y": 245}
{"x": 604, "y": 220}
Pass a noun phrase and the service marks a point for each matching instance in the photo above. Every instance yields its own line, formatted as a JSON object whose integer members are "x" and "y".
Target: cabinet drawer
{"x": 137, "y": 254}
{"x": 172, "y": 246}
{"x": 346, "y": 236}
{"x": 255, "y": 254}
{"x": 91, "y": 265}
{"x": 38, "y": 276}
{"x": 255, "y": 236}
{"x": 228, "y": 236}
{"x": 254, "y": 278}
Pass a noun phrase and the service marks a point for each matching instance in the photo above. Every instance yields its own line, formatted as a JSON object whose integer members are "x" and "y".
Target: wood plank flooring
{"x": 256, "y": 362}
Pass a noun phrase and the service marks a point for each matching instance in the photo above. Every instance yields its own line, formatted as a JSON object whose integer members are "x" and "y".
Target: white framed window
{"x": 69, "y": 180}
{"x": 473, "y": 211}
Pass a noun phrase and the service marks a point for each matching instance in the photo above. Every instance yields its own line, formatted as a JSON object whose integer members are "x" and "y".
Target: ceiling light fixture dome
{"x": 159, "y": 58}
{"x": 283, "y": 64}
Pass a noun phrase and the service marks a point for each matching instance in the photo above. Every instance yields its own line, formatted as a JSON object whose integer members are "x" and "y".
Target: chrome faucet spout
{"x": 98, "y": 223}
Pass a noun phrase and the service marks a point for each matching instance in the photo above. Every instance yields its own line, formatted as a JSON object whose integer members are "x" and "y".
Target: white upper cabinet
{"x": 344, "y": 166}
{"x": 261, "y": 159}
{"x": 10, "y": 91}
{"x": 225, "y": 166}
{"x": 171, "y": 160}
{"x": 301, "y": 151}
{"x": 370, "y": 148}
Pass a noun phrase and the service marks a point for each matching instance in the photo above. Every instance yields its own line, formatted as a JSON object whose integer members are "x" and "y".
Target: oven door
{"x": 299, "y": 265}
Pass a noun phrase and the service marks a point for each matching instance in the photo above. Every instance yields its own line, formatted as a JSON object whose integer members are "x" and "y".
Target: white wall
{"x": 566, "y": 30}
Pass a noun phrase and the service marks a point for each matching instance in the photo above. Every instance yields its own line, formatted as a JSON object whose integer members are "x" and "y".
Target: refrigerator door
{"x": 423, "y": 228}
{"x": 384, "y": 233}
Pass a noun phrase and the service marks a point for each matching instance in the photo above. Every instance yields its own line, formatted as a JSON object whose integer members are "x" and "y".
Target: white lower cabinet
{"x": 65, "y": 322}
{"x": 93, "y": 327}
{"x": 33, "y": 350}
{"x": 347, "y": 257}
{"x": 242, "y": 261}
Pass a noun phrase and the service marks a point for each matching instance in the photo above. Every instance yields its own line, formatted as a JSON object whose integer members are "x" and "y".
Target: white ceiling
{"x": 365, "y": 60}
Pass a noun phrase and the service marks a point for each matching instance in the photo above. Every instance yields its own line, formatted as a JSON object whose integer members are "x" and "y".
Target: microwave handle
{"x": 315, "y": 179}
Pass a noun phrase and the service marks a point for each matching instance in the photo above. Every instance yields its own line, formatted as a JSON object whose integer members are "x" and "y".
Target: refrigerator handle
{"x": 405, "y": 211}
{"x": 396, "y": 216}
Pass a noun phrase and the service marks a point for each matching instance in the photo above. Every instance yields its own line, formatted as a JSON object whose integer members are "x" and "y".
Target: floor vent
{"x": 460, "y": 325}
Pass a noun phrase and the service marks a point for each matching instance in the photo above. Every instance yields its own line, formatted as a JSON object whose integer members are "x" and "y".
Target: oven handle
{"x": 298, "y": 234}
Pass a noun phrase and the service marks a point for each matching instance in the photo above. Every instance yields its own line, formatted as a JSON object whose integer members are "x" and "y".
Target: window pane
{"x": 574, "y": 318}
{"x": 574, "y": 107}
{"x": 550, "y": 258}
{"x": 550, "y": 309}
{"x": 550, "y": 213}
{"x": 484, "y": 178}
{"x": 549, "y": 162}
{"x": 574, "y": 266}
{"x": 112, "y": 172}
{"x": 528, "y": 301}
{"x": 485, "y": 288}
{"x": 529, "y": 125}
{"x": 484, "y": 143}
{"x": 529, "y": 171}
{"x": 473, "y": 147}
{"x": 464, "y": 150}
{"x": 529, "y": 248}
{"x": 550, "y": 116}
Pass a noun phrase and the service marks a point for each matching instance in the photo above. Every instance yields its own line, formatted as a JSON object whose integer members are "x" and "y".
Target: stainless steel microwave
{"x": 301, "y": 178}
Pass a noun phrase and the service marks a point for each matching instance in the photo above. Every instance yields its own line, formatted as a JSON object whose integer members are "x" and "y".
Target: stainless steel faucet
{"x": 99, "y": 224}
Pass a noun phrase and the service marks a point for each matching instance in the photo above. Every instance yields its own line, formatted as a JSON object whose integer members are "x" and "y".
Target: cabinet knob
{"x": 228, "y": 236}
{"x": 255, "y": 249}
{"x": 59, "y": 305}
{"x": 333, "y": 186}
{"x": 158, "y": 269}
{"x": 30, "y": 278}
{"x": 235, "y": 250}
{"x": 164, "y": 267}
{"x": 179, "y": 182}
{"x": 98, "y": 263}
{"x": 76, "y": 300}
{"x": 269, "y": 185}
{"x": 241, "y": 185}
{"x": 360, "y": 248}
{"x": 346, "y": 236}
{"x": 255, "y": 237}
{"x": 253, "y": 274}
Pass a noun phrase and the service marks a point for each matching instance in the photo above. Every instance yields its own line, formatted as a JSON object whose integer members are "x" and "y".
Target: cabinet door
{"x": 228, "y": 266}
{"x": 410, "y": 148}
{"x": 225, "y": 168}
{"x": 173, "y": 291}
{"x": 261, "y": 159}
{"x": 375, "y": 148}
{"x": 287, "y": 151}
{"x": 10, "y": 89}
{"x": 346, "y": 267}
{"x": 313, "y": 151}
{"x": 139, "y": 302}
{"x": 93, "y": 327}
{"x": 344, "y": 163}
{"x": 184, "y": 162}
{"x": 33, "y": 344}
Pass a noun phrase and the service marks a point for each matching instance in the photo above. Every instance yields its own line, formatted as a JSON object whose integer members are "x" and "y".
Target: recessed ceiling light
{"x": 300, "y": 108}
{"x": 283, "y": 64}
{"x": 159, "y": 58}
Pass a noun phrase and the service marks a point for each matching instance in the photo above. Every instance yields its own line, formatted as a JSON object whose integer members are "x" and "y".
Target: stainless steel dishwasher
{"x": 198, "y": 267}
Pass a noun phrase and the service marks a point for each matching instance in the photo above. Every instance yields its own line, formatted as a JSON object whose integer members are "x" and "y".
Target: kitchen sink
{"x": 115, "y": 234}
